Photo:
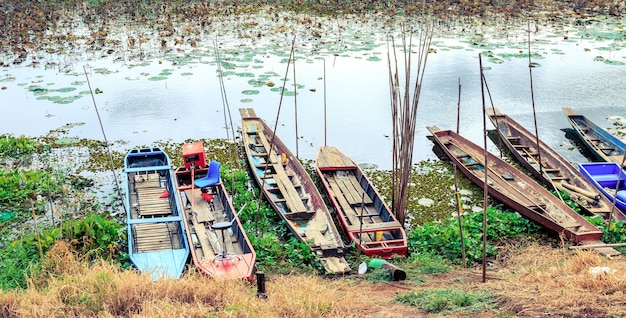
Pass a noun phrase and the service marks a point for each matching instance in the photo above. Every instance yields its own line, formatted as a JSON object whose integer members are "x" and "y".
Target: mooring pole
{"x": 260, "y": 285}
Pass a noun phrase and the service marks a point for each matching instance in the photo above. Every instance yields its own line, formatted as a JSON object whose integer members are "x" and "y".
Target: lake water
{"x": 173, "y": 93}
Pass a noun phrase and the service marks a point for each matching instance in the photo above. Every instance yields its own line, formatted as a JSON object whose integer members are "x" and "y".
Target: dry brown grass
{"x": 533, "y": 280}
{"x": 539, "y": 280}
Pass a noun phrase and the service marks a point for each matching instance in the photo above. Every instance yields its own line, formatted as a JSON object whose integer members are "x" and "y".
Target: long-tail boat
{"x": 605, "y": 177}
{"x": 514, "y": 188}
{"x": 603, "y": 145}
{"x": 291, "y": 192}
{"x": 219, "y": 245}
{"x": 156, "y": 234}
{"x": 554, "y": 171}
{"x": 359, "y": 207}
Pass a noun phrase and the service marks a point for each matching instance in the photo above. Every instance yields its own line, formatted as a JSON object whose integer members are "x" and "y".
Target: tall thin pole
{"x": 324, "y": 102}
{"x": 532, "y": 98}
{"x": 295, "y": 103}
{"x": 228, "y": 119}
{"x": 459, "y": 206}
{"x": 106, "y": 142}
{"x": 486, "y": 170}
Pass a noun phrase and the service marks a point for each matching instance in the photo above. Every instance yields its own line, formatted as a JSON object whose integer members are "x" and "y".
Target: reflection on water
{"x": 187, "y": 102}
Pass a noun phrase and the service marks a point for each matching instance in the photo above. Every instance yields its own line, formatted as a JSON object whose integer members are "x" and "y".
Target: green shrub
{"x": 93, "y": 237}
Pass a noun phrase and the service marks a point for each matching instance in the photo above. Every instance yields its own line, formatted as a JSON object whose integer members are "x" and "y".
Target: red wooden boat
{"x": 219, "y": 245}
{"x": 360, "y": 209}
{"x": 514, "y": 188}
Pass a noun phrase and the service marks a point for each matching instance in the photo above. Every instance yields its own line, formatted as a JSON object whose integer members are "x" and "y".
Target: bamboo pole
{"x": 485, "y": 184}
{"x": 295, "y": 105}
{"x": 459, "y": 207}
{"x": 324, "y": 102}
{"x": 532, "y": 98}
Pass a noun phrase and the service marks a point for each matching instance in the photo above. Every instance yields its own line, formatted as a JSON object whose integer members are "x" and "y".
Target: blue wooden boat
{"x": 604, "y": 176}
{"x": 157, "y": 243}
{"x": 603, "y": 145}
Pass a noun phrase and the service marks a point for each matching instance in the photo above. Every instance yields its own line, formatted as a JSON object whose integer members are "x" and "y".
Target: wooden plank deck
{"x": 352, "y": 190}
{"x": 284, "y": 183}
{"x": 331, "y": 157}
{"x": 154, "y": 237}
{"x": 205, "y": 211}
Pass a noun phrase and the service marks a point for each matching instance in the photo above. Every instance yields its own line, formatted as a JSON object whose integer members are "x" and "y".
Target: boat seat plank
{"x": 606, "y": 177}
{"x": 318, "y": 239}
{"x": 382, "y": 226}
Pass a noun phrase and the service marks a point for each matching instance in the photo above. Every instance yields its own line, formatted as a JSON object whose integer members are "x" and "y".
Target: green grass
{"x": 449, "y": 301}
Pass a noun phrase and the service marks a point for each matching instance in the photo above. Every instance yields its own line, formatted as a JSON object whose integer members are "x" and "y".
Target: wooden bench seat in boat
{"x": 606, "y": 177}
{"x": 380, "y": 226}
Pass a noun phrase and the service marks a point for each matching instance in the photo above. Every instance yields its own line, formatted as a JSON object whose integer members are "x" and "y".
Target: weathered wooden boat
{"x": 156, "y": 234}
{"x": 603, "y": 145}
{"x": 604, "y": 176}
{"x": 290, "y": 191}
{"x": 554, "y": 171}
{"x": 219, "y": 245}
{"x": 359, "y": 207}
{"x": 514, "y": 188}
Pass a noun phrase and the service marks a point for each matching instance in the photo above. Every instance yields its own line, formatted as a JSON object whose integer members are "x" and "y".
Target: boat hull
{"x": 514, "y": 189}
{"x": 291, "y": 192}
{"x": 365, "y": 217}
{"x": 157, "y": 242}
